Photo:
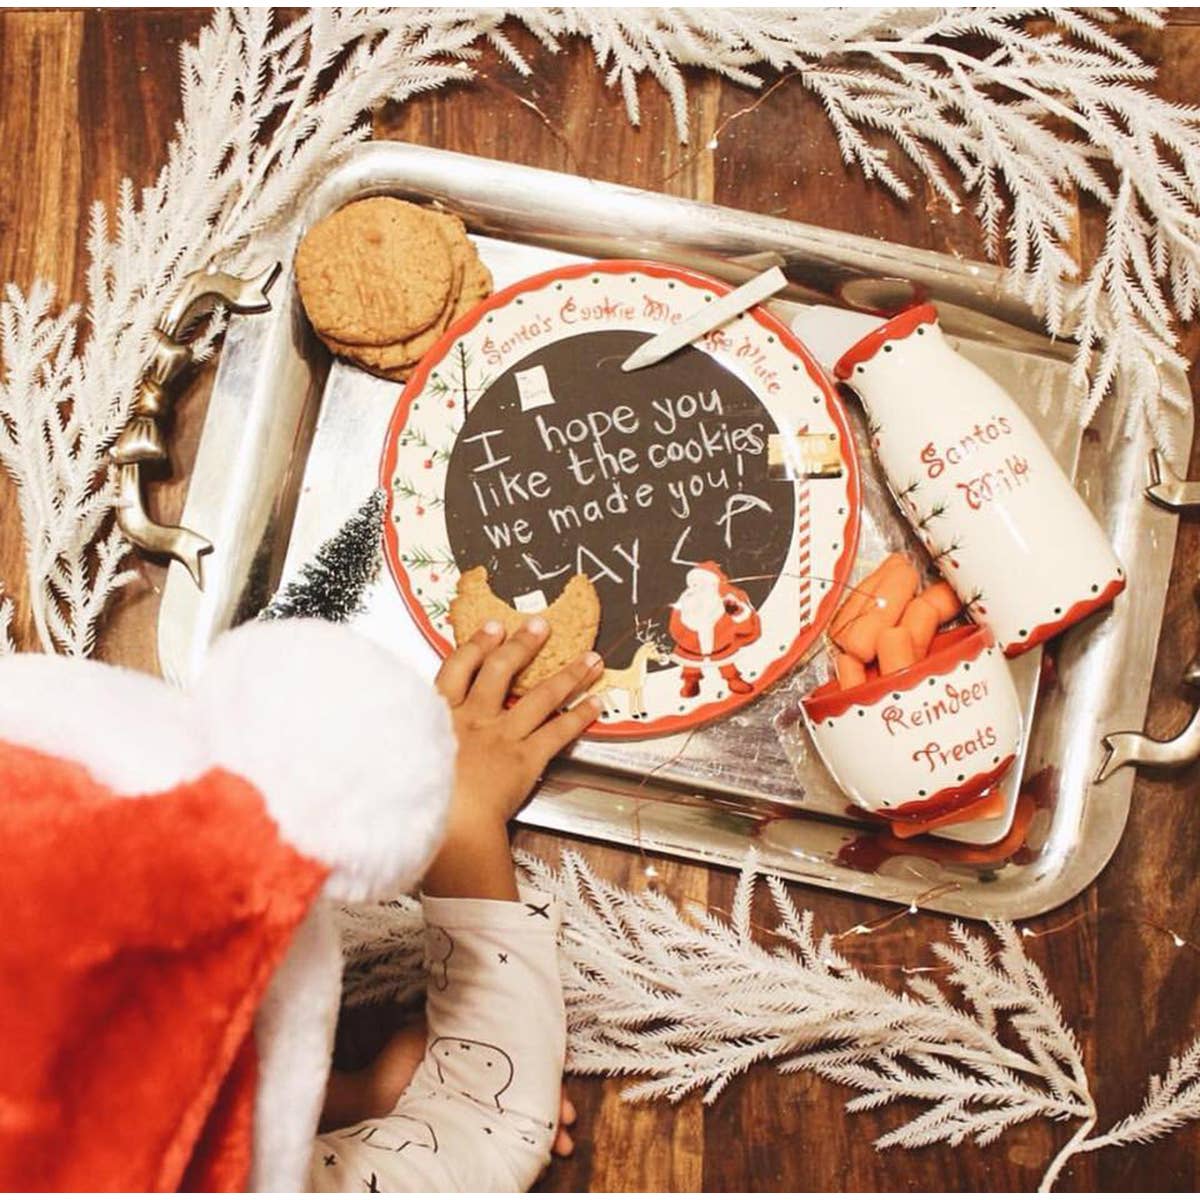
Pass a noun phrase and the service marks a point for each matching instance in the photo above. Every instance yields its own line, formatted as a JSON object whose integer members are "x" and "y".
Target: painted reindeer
{"x": 631, "y": 679}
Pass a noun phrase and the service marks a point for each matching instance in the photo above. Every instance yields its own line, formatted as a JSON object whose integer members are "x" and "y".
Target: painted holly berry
{"x": 428, "y": 463}
{"x": 433, "y": 577}
{"x": 420, "y": 511}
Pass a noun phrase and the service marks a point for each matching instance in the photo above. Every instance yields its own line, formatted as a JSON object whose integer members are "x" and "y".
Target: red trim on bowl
{"x": 900, "y": 326}
{"x": 1075, "y": 613}
{"x": 965, "y": 643}
{"x": 951, "y": 798}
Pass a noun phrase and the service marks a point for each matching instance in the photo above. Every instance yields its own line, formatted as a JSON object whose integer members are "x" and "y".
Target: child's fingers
{"x": 551, "y": 694}
{"x": 494, "y": 677}
{"x": 564, "y": 1143}
{"x": 559, "y": 733}
{"x": 454, "y": 679}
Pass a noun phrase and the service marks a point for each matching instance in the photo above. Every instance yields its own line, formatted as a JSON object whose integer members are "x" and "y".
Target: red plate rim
{"x": 841, "y": 573}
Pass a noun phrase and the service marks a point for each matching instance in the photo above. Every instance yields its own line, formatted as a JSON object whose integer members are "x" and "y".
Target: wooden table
{"x": 90, "y": 97}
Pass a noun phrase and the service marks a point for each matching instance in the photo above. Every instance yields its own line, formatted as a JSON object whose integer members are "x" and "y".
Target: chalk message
{"x": 567, "y": 464}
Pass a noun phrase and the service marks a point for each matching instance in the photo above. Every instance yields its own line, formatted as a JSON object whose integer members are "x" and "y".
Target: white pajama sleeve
{"x": 481, "y": 1111}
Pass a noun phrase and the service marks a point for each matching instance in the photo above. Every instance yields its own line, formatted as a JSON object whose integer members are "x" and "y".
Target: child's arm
{"x": 501, "y": 752}
{"x": 481, "y": 1111}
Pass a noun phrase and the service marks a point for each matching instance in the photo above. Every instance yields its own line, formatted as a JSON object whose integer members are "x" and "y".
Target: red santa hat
{"x": 170, "y": 973}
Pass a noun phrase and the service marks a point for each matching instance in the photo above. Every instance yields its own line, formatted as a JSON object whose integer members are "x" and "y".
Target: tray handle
{"x": 141, "y": 440}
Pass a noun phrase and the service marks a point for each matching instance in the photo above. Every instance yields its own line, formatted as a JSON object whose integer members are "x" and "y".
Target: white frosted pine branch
{"x": 1050, "y": 108}
{"x": 686, "y": 1000}
{"x": 6, "y": 616}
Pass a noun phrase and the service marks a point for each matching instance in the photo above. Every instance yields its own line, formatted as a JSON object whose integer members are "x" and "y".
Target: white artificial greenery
{"x": 1018, "y": 111}
{"x": 687, "y": 1001}
{"x": 6, "y": 616}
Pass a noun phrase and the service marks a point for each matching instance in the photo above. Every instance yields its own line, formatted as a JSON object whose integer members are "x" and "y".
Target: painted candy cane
{"x": 804, "y": 535}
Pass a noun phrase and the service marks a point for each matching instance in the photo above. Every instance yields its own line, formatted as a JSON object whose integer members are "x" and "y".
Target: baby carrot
{"x": 850, "y": 672}
{"x": 894, "y": 588}
{"x": 861, "y": 636}
{"x": 943, "y": 598}
{"x": 858, "y": 596}
{"x": 895, "y": 650}
{"x": 921, "y": 620}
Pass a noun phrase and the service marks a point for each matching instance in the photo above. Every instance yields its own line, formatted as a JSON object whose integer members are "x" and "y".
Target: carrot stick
{"x": 861, "y": 636}
{"x": 850, "y": 672}
{"x": 895, "y": 587}
{"x": 921, "y": 620}
{"x": 859, "y": 596}
{"x": 943, "y": 598}
{"x": 895, "y": 650}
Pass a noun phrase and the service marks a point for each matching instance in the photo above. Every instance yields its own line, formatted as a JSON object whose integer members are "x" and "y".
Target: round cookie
{"x": 398, "y": 354}
{"x": 374, "y": 272}
{"x": 477, "y": 286}
{"x": 396, "y": 361}
{"x": 408, "y": 351}
{"x": 574, "y": 620}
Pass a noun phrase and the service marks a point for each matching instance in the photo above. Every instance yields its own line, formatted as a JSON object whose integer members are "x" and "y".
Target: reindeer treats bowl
{"x": 927, "y": 741}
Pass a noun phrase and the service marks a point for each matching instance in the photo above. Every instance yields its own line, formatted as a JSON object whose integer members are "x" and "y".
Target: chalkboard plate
{"x": 712, "y": 499}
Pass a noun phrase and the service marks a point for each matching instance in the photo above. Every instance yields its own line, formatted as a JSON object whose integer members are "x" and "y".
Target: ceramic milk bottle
{"x": 972, "y": 475}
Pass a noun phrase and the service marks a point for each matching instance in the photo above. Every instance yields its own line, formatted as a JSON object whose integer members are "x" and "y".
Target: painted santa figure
{"x": 710, "y": 622}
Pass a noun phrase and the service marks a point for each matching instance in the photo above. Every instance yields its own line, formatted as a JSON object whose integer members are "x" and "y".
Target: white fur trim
{"x": 353, "y": 753}
{"x": 294, "y": 1031}
{"x": 132, "y": 733}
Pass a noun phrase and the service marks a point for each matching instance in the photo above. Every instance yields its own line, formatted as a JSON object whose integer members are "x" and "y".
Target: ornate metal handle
{"x": 141, "y": 440}
{"x": 1128, "y": 748}
{"x": 1168, "y": 490}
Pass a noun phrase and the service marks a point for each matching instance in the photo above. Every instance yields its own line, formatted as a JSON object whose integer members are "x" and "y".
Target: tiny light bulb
{"x": 1179, "y": 942}
{"x": 651, "y": 872}
{"x": 912, "y": 908}
{"x": 712, "y": 143}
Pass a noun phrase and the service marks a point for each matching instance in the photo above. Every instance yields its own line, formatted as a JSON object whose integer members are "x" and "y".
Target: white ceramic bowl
{"x": 927, "y": 740}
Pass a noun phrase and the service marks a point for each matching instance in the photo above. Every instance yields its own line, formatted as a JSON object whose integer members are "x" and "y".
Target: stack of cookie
{"x": 382, "y": 279}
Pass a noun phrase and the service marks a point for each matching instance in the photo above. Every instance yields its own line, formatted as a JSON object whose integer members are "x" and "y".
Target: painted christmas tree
{"x": 332, "y": 584}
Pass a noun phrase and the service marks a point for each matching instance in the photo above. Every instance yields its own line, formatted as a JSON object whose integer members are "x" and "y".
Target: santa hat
{"x": 170, "y": 971}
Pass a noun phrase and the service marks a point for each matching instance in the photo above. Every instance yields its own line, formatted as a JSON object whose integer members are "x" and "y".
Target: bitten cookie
{"x": 574, "y": 620}
{"x": 375, "y": 272}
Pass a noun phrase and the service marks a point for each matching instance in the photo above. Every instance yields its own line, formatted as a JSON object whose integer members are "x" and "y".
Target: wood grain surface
{"x": 88, "y": 97}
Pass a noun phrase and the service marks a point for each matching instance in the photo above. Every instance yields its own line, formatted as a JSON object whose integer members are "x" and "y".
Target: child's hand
{"x": 501, "y": 751}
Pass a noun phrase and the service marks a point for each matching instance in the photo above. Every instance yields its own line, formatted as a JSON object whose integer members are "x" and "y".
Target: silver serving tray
{"x": 291, "y": 445}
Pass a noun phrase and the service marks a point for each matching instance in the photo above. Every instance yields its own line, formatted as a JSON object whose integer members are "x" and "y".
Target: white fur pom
{"x": 131, "y": 732}
{"x": 353, "y": 753}
{"x": 294, "y": 1033}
